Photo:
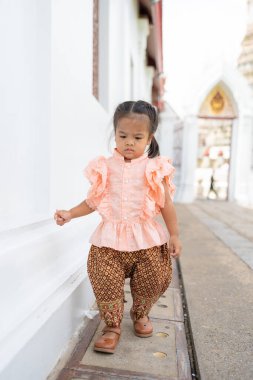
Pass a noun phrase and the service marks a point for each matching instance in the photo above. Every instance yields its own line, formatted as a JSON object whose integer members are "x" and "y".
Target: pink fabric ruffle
{"x": 157, "y": 170}
{"x": 96, "y": 172}
{"x": 129, "y": 237}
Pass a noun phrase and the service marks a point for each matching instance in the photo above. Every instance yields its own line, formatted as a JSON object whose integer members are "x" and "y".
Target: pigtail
{"x": 153, "y": 149}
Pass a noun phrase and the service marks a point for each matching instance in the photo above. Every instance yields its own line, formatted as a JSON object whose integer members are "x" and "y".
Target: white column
{"x": 243, "y": 160}
{"x": 233, "y": 161}
{"x": 189, "y": 158}
{"x": 119, "y": 59}
{"x": 143, "y": 32}
{"x": 103, "y": 56}
{"x": 165, "y": 133}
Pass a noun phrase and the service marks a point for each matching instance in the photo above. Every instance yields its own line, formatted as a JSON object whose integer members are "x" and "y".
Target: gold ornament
{"x": 217, "y": 102}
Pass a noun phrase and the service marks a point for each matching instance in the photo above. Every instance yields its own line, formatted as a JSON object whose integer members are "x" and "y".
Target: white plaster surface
{"x": 51, "y": 126}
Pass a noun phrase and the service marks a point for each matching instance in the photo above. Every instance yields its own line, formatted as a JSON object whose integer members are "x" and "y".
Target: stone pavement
{"x": 216, "y": 265}
{"x": 163, "y": 356}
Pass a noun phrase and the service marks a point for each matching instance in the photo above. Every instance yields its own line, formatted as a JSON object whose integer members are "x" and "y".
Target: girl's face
{"x": 132, "y": 136}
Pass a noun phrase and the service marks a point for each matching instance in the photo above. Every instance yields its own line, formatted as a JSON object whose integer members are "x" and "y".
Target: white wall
{"x": 127, "y": 42}
{"x": 25, "y": 113}
{"x": 51, "y": 126}
{"x": 79, "y": 122}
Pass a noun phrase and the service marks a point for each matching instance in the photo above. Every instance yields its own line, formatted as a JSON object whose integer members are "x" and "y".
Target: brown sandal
{"x": 104, "y": 344}
{"x": 142, "y": 329}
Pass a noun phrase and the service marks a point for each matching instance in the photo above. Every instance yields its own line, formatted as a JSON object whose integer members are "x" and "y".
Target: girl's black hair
{"x": 143, "y": 108}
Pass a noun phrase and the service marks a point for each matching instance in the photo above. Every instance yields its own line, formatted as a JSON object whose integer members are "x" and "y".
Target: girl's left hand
{"x": 175, "y": 246}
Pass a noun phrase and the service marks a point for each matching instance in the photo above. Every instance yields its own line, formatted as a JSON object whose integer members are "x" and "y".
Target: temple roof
{"x": 245, "y": 61}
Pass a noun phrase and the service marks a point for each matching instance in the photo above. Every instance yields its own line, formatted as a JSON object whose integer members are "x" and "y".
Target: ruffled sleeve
{"x": 96, "y": 173}
{"x": 157, "y": 169}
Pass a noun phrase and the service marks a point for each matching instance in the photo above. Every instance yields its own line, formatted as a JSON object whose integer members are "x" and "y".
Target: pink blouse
{"x": 128, "y": 195}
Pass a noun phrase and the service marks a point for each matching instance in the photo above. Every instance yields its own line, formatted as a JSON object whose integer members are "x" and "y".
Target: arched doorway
{"x": 215, "y": 127}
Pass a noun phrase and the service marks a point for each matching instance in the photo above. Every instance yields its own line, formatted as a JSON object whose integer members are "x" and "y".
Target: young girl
{"x": 128, "y": 190}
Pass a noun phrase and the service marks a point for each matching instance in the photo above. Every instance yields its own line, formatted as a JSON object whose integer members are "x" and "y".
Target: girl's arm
{"x": 170, "y": 219}
{"x": 62, "y": 216}
{"x": 81, "y": 210}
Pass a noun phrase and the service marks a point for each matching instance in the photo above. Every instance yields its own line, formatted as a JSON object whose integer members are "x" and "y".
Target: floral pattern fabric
{"x": 150, "y": 273}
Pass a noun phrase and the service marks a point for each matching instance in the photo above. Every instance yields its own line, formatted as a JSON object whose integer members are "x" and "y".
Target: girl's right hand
{"x": 62, "y": 216}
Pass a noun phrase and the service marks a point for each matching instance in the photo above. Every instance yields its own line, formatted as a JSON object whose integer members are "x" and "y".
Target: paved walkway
{"x": 231, "y": 223}
{"x": 218, "y": 281}
{"x": 163, "y": 356}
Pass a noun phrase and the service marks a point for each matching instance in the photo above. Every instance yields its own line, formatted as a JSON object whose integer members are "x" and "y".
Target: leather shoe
{"x": 105, "y": 344}
{"x": 142, "y": 329}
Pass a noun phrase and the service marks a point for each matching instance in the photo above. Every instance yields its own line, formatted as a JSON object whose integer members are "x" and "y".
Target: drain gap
{"x": 188, "y": 330}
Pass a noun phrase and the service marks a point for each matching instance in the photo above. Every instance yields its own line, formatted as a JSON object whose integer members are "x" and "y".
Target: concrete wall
{"x": 51, "y": 126}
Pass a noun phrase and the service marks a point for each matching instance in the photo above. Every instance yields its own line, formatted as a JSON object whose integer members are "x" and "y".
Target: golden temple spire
{"x": 245, "y": 61}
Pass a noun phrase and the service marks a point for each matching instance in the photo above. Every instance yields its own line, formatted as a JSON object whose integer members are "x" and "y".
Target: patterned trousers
{"x": 150, "y": 273}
